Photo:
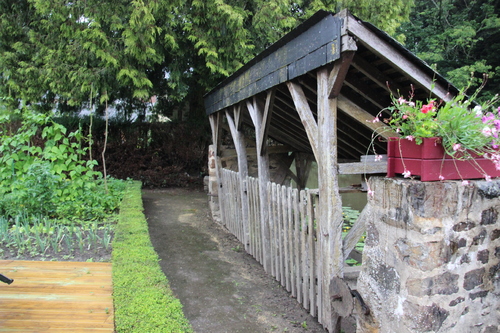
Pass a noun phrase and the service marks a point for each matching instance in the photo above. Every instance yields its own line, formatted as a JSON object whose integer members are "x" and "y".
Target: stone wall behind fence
{"x": 432, "y": 257}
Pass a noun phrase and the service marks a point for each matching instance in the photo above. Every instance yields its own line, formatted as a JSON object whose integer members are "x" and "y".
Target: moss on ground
{"x": 143, "y": 299}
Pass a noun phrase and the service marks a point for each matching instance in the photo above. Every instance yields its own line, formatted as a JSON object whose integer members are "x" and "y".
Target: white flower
{"x": 486, "y": 131}
{"x": 407, "y": 174}
{"x": 465, "y": 182}
{"x": 478, "y": 110}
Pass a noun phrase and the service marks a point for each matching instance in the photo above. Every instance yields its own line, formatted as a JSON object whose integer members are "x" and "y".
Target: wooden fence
{"x": 292, "y": 250}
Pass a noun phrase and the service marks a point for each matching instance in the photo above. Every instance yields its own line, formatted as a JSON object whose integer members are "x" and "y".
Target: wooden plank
{"x": 296, "y": 291}
{"x": 311, "y": 239}
{"x": 275, "y": 234}
{"x": 313, "y": 44}
{"x": 286, "y": 238}
{"x": 304, "y": 250}
{"x": 57, "y": 296}
{"x": 360, "y": 168}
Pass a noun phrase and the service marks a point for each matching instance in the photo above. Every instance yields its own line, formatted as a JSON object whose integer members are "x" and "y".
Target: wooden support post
{"x": 240, "y": 146}
{"x": 215, "y": 124}
{"x": 330, "y": 205}
{"x": 257, "y": 111}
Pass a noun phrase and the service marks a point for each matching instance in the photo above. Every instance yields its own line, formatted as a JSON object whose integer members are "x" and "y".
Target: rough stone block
{"x": 425, "y": 318}
{"x": 444, "y": 284}
{"x": 424, "y": 256}
{"x": 474, "y": 278}
{"x": 489, "y": 216}
{"x": 457, "y": 301}
{"x": 483, "y": 256}
{"x": 495, "y": 234}
{"x": 464, "y": 226}
{"x": 479, "y": 239}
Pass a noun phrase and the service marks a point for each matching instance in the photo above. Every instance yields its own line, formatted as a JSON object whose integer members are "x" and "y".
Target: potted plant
{"x": 457, "y": 139}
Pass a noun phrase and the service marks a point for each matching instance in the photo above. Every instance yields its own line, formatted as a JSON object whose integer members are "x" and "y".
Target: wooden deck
{"x": 56, "y": 297}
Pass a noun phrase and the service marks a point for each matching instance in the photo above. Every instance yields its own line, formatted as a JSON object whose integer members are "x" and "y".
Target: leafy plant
{"x": 47, "y": 174}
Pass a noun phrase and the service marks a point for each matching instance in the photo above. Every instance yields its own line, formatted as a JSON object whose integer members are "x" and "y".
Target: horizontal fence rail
{"x": 292, "y": 251}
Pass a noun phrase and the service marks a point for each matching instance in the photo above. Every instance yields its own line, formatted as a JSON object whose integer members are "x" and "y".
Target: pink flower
{"x": 498, "y": 109}
{"x": 487, "y": 118}
{"x": 410, "y": 137}
{"x": 441, "y": 177}
{"x": 487, "y": 178}
{"x": 375, "y": 120}
{"x": 401, "y": 100}
{"x": 405, "y": 116}
{"x": 412, "y": 104}
{"x": 465, "y": 182}
{"x": 407, "y": 174}
{"x": 378, "y": 158}
{"x": 456, "y": 146}
{"x": 428, "y": 107}
{"x": 371, "y": 193}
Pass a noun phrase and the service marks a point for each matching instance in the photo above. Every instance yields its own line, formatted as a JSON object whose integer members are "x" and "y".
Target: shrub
{"x": 46, "y": 173}
{"x": 143, "y": 299}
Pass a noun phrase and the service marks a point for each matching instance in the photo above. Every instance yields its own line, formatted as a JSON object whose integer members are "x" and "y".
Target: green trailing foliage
{"x": 143, "y": 299}
{"x": 46, "y": 173}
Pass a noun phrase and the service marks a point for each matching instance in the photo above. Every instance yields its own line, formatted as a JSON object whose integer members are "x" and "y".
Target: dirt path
{"x": 222, "y": 288}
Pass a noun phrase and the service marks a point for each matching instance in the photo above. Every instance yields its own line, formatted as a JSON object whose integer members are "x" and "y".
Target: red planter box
{"x": 429, "y": 161}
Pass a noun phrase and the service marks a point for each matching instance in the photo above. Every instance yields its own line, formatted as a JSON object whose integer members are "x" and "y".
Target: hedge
{"x": 142, "y": 297}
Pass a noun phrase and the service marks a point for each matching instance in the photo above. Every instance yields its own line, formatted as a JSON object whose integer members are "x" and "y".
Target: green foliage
{"x": 459, "y": 37}
{"x": 59, "y": 52}
{"x": 143, "y": 299}
{"x": 46, "y": 173}
{"x": 39, "y": 236}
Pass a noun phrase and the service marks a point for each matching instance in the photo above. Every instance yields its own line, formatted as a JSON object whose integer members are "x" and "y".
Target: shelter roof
{"x": 378, "y": 66}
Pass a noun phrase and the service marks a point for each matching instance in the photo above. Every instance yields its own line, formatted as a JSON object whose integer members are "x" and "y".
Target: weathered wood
{"x": 340, "y": 297}
{"x": 356, "y": 231}
{"x": 364, "y": 117}
{"x": 304, "y": 269}
{"x": 292, "y": 56}
{"x": 256, "y": 113}
{"x": 266, "y": 120}
{"x": 330, "y": 208}
{"x": 313, "y": 257}
{"x": 296, "y": 278}
{"x": 286, "y": 240}
{"x": 360, "y": 168}
{"x": 395, "y": 58}
{"x": 306, "y": 116}
{"x": 215, "y": 124}
{"x": 338, "y": 74}
{"x": 240, "y": 146}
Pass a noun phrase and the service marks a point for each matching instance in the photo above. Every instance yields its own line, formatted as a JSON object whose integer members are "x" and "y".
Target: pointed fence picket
{"x": 293, "y": 250}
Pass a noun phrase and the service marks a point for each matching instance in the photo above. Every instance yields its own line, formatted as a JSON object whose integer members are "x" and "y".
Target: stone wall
{"x": 432, "y": 257}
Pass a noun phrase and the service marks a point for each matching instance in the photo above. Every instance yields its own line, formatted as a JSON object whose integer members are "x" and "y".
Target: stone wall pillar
{"x": 213, "y": 185}
{"x": 432, "y": 258}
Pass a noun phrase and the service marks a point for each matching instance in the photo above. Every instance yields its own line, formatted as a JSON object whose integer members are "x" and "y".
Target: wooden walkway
{"x": 56, "y": 297}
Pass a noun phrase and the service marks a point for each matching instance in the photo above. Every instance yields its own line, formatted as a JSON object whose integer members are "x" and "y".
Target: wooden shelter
{"x": 312, "y": 95}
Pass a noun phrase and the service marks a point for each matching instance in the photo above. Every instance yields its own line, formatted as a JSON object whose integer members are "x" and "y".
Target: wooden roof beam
{"x": 394, "y": 57}
{"x": 364, "y": 117}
